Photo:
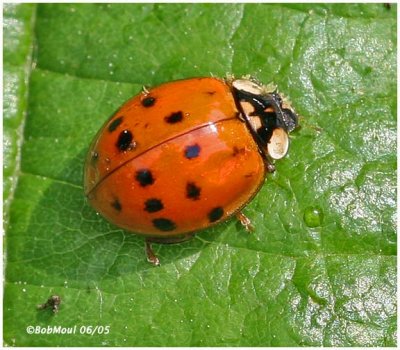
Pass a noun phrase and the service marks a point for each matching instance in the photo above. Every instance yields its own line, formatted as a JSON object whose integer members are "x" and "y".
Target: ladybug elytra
{"x": 186, "y": 155}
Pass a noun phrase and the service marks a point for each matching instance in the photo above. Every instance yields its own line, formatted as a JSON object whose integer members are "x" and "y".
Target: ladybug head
{"x": 268, "y": 115}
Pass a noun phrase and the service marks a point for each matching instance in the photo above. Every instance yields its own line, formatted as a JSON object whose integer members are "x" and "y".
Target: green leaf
{"x": 320, "y": 267}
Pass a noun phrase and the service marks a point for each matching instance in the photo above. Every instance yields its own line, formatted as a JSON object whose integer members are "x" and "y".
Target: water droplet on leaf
{"x": 313, "y": 216}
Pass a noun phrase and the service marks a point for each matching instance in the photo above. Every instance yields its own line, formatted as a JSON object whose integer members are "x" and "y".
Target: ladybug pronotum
{"x": 186, "y": 155}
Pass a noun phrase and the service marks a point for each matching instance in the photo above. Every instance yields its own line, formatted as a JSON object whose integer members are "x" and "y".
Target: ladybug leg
{"x": 245, "y": 221}
{"x": 151, "y": 257}
{"x": 270, "y": 167}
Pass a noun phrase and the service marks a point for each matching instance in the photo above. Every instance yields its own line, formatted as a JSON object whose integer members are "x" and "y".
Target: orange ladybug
{"x": 186, "y": 155}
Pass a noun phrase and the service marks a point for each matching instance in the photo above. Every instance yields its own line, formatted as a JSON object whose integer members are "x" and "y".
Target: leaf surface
{"x": 320, "y": 268}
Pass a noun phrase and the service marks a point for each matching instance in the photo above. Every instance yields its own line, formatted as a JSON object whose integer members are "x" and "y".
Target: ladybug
{"x": 186, "y": 155}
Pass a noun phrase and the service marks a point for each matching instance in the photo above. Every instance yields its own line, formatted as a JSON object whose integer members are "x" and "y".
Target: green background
{"x": 320, "y": 268}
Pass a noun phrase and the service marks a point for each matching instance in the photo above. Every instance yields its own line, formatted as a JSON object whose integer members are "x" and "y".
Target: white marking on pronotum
{"x": 278, "y": 144}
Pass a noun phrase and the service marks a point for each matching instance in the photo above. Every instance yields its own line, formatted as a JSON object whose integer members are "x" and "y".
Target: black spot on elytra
{"x": 192, "y": 191}
{"x": 192, "y": 151}
{"x": 114, "y": 124}
{"x": 215, "y": 214}
{"x": 125, "y": 141}
{"x": 148, "y": 101}
{"x": 153, "y": 205}
{"x": 144, "y": 177}
{"x": 116, "y": 204}
{"x": 175, "y": 117}
{"x": 164, "y": 224}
